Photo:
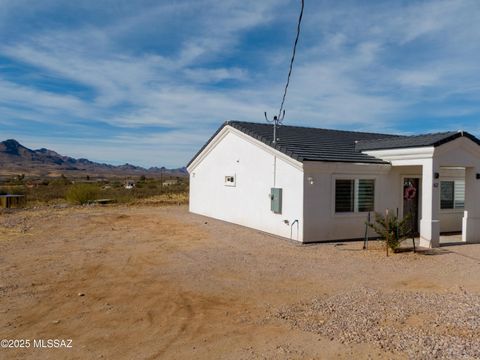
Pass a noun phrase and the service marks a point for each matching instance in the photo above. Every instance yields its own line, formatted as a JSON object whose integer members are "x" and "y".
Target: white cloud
{"x": 361, "y": 65}
{"x": 418, "y": 78}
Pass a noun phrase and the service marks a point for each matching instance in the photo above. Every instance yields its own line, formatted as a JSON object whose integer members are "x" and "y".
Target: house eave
{"x": 398, "y": 156}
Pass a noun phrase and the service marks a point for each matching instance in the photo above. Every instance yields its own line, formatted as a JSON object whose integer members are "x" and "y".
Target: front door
{"x": 410, "y": 201}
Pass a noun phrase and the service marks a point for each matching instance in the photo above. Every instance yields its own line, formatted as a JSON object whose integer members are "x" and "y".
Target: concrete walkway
{"x": 445, "y": 240}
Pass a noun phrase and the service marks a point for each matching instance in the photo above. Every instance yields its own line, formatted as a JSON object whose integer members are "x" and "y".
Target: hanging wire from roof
{"x": 292, "y": 59}
{"x": 278, "y": 119}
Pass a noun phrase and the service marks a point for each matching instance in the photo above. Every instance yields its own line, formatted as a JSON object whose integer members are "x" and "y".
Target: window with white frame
{"x": 452, "y": 194}
{"x": 354, "y": 195}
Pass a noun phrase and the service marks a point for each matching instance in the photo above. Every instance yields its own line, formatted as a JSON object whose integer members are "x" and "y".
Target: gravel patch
{"x": 421, "y": 325}
{"x": 20, "y": 224}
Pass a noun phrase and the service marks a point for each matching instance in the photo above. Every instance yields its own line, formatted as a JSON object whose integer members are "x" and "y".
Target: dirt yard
{"x": 148, "y": 282}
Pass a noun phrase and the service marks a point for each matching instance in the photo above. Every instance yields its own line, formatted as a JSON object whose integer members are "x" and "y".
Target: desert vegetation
{"x": 79, "y": 191}
{"x": 391, "y": 229}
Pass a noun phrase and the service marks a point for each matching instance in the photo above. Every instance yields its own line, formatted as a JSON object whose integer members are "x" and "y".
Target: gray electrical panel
{"x": 276, "y": 200}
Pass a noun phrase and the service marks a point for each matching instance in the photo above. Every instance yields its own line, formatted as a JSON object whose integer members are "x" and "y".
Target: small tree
{"x": 391, "y": 229}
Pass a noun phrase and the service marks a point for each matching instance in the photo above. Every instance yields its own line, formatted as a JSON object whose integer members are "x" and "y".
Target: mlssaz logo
{"x": 52, "y": 343}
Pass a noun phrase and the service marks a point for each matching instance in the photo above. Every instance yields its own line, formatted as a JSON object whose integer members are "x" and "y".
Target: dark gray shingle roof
{"x": 401, "y": 142}
{"x": 314, "y": 144}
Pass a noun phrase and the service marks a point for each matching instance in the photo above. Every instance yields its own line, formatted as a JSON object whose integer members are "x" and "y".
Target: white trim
{"x": 417, "y": 155}
{"x": 229, "y": 129}
{"x": 329, "y": 167}
{"x": 408, "y": 156}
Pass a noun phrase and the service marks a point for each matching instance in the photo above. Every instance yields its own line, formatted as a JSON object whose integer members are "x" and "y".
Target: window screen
{"x": 459, "y": 194}
{"x": 366, "y": 195}
{"x": 344, "y": 195}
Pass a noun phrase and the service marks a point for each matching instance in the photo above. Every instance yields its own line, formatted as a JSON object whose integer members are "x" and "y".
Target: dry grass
{"x": 165, "y": 199}
{"x": 78, "y": 191}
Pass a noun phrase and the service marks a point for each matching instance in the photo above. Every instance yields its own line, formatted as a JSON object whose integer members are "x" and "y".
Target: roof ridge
{"x": 434, "y": 133}
{"x": 229, "y": 122}
{"x": 416, "y": 136}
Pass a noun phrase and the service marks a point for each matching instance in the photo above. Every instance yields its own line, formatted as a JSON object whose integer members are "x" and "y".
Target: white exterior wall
{"x": 451, "y": 219}
{"x": 321, "y": 223}
{"x": 464, "y": 152}
{"x": 233, "y": 153}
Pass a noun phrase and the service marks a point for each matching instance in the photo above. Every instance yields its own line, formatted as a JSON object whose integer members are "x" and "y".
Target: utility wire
{"x": 292, "y": 60}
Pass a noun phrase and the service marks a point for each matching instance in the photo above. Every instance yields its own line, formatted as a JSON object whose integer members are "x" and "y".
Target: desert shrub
{"x": 82, "y": 193}
{"x": 46, "y": 192}
{"x": 165, "y": 199}
{"x": 62, "y": 180}
{"x": 12, "y": 190}
{"x": 56, "y": 190}
{"x": 391, "y": 229}
{"x": 116, "y": 184}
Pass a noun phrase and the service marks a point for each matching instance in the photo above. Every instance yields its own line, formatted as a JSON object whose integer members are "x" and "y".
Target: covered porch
{"x": 457, "y": 152}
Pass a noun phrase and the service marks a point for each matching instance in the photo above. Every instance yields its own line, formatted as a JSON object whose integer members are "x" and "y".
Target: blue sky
{"x": 147, "y": 82}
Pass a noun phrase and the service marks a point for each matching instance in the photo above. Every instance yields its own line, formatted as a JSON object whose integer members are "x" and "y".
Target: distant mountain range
{"x": 17, "y": 159}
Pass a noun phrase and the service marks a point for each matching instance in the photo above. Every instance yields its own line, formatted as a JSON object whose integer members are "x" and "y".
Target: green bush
{"x": 391, "y": 229}
{"x": 82, "y": 193}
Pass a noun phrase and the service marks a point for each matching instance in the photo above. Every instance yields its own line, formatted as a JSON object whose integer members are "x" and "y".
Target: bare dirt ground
{"x": 148, "y": 282}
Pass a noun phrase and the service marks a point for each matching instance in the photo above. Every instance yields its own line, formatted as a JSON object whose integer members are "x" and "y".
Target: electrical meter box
{"x": 276, "y": 200}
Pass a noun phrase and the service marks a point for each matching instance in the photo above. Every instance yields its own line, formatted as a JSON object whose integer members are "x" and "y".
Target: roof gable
{"x": 306, "y": 143}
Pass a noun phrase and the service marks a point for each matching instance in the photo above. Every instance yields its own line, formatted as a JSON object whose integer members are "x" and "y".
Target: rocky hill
{"x": 17, "y": 159}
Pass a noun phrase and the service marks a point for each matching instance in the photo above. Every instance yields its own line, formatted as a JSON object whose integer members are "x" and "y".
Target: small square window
{"x": 230, "y": 180}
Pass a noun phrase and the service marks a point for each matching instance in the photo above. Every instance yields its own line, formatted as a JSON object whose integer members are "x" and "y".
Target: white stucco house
{"x": 319, "y": 185}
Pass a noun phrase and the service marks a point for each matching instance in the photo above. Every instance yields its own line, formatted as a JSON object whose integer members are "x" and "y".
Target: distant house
{"x": 170, "y": 182}
{"x": 129, "y": 184}
{"x": 318, "y": 185}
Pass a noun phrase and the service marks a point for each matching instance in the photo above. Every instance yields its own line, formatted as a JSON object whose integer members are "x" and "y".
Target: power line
{"x": 292, "y": 60}
{"x": 277, "y": 120}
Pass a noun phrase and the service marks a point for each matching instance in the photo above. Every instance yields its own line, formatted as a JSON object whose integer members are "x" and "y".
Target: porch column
{"x": 471, "y": 217}
{"x": 430, "y": 223}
